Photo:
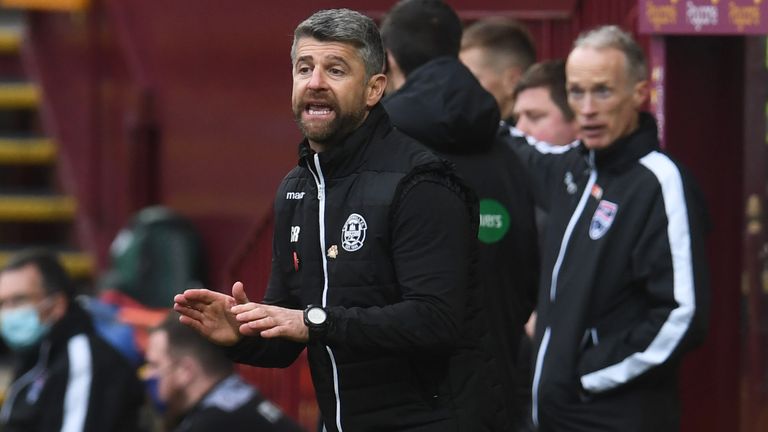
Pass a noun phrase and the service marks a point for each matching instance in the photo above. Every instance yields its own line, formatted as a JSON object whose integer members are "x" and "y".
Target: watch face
{"x": 316, "y": 315}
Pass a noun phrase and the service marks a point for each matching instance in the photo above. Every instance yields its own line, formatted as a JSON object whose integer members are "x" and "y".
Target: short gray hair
{"x": 347, "y": 26}
{"x": 611, "y": 36}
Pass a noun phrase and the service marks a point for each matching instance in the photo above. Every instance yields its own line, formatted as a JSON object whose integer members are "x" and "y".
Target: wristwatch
{"x": 316, "y": 319}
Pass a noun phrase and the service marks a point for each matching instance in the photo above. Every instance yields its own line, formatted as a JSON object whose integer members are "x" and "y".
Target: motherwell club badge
{"x": 353, "y": 233}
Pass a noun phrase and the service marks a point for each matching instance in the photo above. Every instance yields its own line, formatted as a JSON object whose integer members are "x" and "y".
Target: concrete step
{"x": 36, "y": 208}
{"x": 19, "y": 95}
{"x": 10, "y": 39}
{"x": 27, "y": 151}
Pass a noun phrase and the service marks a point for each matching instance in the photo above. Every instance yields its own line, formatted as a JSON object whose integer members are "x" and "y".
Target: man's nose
{"x": 524, "y": 125}
{"x": 317, "y": 80}
{"x": 587, "y": 106}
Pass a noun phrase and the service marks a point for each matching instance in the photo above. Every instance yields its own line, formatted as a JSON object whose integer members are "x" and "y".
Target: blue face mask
{"x": 21, "y": 327}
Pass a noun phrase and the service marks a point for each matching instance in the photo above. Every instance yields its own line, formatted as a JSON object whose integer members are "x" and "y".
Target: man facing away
{"x": 66, "y": 377}
{"x": 440, "y": 103}
{"x": 498, "y": 51}
{"x": 624, "y": 288}
{"x": 373, "y": 243}
{"x": 201, "y": 392}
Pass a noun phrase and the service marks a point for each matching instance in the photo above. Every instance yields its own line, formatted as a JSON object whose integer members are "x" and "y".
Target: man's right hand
{"x": 209, "y": 313}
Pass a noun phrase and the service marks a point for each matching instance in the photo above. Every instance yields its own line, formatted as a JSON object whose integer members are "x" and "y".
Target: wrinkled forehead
{"x": 310, "y": 47}
{"x": 589, "y": 65}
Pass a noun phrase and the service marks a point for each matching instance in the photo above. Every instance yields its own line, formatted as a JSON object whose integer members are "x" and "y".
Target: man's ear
{"x": 59, "y": 307}
{"x": 510, "y": 77}
{"x": 375, "y": 89}
{"x": 640, "y": 93}
{"x": 188, "y": 367}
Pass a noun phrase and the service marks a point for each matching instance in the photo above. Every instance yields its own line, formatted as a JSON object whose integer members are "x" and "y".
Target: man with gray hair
{"x": 624, "y": 290}
{"x": 372, "y": 258}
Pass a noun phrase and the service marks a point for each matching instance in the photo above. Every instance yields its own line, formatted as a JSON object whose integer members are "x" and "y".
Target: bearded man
{"x": 371, "y": 267}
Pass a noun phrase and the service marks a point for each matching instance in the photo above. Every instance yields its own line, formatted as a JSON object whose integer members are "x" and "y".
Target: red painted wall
{"x": 705, "y": 131}
{"x": 186, "y": 103}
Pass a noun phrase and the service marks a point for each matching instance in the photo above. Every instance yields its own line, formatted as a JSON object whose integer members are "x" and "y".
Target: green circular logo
{"x": 494, "y": 221}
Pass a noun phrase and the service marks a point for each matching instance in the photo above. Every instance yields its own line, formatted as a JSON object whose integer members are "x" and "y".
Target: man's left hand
{"x": 271, "y": 322}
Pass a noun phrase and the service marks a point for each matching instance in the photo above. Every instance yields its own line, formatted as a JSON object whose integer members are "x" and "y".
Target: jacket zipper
{"x": 537, "y": 376}
{"x": 553, "y": 286}
{"x": 320, "y": 181}
{"x": 23, "y": 381}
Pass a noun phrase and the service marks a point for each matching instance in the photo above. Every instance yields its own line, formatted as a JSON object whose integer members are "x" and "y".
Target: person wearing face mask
{"x": 66, "y": 377}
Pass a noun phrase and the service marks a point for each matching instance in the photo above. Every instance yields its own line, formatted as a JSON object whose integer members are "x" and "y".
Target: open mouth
{"x": 318, "y": 109}
{"x": 591, "y": 131}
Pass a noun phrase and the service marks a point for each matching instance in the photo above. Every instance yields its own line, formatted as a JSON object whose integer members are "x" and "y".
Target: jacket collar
{"x": 628, "y": 149}
{"x": 346, "y": 156}
{"x": 443, "y": 106}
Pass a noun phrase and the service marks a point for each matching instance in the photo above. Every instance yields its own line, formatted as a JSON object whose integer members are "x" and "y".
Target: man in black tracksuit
{"x": 66, "y": 378}
{"x": 624, "y": 287}
{"x": 374, "y": 239}
{"x": 441, "y": 104}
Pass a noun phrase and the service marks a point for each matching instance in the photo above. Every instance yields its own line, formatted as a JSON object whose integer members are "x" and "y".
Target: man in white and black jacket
{"x": 372, "y": 262}
{"x": 624, "y": 290}
{"x": 66, "y": 377}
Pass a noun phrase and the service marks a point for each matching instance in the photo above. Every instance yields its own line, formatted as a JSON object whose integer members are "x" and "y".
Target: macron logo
{"x": 294, "y": 195}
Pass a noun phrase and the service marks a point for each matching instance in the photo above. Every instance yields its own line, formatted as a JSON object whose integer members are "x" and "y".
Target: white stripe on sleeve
{"x": 679, "y": 320}
{"x": 78, "y": 392}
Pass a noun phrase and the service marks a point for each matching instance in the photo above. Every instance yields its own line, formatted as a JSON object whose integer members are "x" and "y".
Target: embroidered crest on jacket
{"x": 353, "y": 233}
{"x": 602, "y": 219}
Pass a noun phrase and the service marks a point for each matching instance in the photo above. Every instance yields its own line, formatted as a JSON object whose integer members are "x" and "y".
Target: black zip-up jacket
{"x": 380, "y": 233}
{"x": 443, "y": 106}
{"x": 624, "y": 288}
{"x": 74, "y": 381}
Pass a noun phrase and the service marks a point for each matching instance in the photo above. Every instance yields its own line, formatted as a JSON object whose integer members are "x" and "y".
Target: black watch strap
{"x": 316, "y": 319}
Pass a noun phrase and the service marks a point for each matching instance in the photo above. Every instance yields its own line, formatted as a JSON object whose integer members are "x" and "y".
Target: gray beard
{"x": 334, "y": 131}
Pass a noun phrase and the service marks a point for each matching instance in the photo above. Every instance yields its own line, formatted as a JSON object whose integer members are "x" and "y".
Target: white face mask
{"x": 21, "y": 327}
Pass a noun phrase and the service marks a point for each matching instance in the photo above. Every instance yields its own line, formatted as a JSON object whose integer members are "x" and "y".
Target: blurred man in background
{"x": 196, "y": 382}
{"x": 541, "y": 107}
{"x": 541, "y": 111}
{"x": 498, "y": 51}
{"x": 439, "y": 102}
{"x": 67, "y": 378}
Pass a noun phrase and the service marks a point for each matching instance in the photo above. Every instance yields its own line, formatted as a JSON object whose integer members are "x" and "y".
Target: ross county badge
{"x": 602, "y": 219}
{"x": 353, "y": 233}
